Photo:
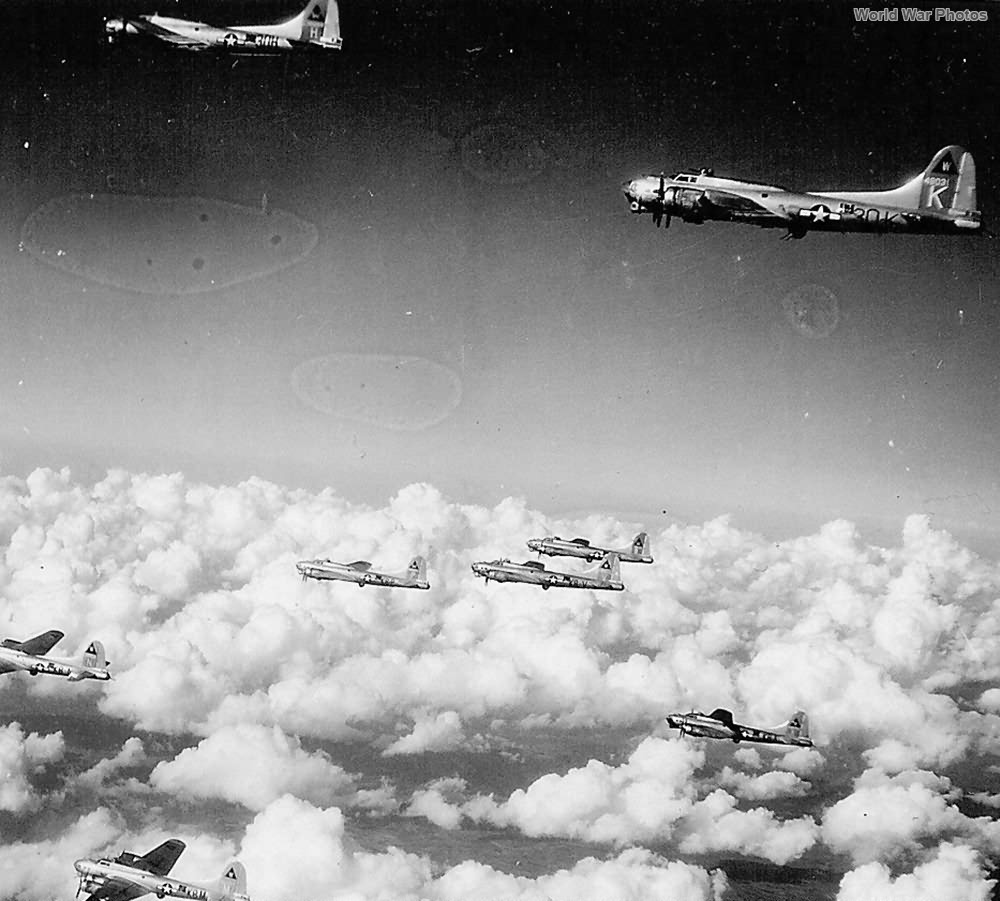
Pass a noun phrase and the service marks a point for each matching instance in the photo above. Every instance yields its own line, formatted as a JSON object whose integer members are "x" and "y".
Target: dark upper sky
{"x": 509, "y": 329}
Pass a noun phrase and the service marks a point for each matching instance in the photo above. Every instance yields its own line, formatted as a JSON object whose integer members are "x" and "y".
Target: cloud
{"x": 328, "y": 866}
{"x": 887, "y": 816}
{"x": 775, "y": 784}
{"x": 33, "y": 871}
{"x": 440, "y": 733}
{"x": 192, "y": 587}
{"x": 650, "y": 798}
{"x": 253, "y": 766}
{"x": 21, "y": 757}
{"x": 955, "y": 873}
{"x": 133, "y": 753}
{"x": 716, "y": 824}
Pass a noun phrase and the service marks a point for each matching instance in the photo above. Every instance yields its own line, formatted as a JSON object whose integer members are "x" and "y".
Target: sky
{"x": 447, "y": 192}
{"x": 392, "y": 303}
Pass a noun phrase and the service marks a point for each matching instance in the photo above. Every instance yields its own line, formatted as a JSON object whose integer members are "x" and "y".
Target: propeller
{"x": 661, "y": 192}
{"x": 659, "y": 214}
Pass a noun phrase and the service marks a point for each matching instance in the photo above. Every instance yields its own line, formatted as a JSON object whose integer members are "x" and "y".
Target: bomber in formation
{"x": 603, "y": 577}
{"x": 30, "y": 657}
{"x": 719, "y": 724}
{"x": 941, "y": 200}
{"x": 361, "y": 573}
{"x": 317, "y": 27}
{"x": 554, "y": 546}
{"x": 129, "y": 876}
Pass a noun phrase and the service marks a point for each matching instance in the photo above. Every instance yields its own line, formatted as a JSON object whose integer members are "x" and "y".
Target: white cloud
{"x": 955, "y": 873}
{"x": 253, "y": 766}
{"x": 132, "y": 754}
{"x": 887, "y": 816}
{"x": 776, "y": 784}
{"x": 21, "y": 757}
{"x": 438, "y": 733}
{"x": 40, "y": 871}
{"x": 192, "y": 588}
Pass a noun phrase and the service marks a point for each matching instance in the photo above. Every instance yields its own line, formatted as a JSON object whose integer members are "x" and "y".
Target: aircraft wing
{"x": 738, "y": 204}
{"x": 40, "y": 644}
{"x": 582, "y": 542}
{"x": 361, "y": 566}
{"x": 151, "y": 29}
{"x": 161, "y": 859}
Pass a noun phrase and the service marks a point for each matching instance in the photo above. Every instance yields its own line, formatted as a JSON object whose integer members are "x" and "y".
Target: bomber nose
{"x": 114, "y": 26}
{"x": 83, "y": 866}
{"x": 534, "y": 544}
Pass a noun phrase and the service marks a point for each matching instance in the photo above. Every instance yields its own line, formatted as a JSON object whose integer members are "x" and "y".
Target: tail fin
{"x": 640, "y": 545}
{"x": 321, "y": 23}
{"x": 94, "y": 657}
{"x": 949, "y": 182}
{"x": 797, "y": 726}
{"x": 417, "y": 570}
{"x": 607, "y": 570}
{"x": 233, "y": 880}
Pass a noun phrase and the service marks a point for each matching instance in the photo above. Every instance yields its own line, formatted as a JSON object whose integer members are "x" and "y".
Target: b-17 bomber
{"x": 29, "y": 657}
{"x": 554, "y": 546}
{"x": 603, "y": 577}
{"x": 941, "y": 200}
{"x": 317, "y": 27}
{"x": 719, "y": 724}
{"x": 361, "y": 573}
{"x": 129, "y": 876}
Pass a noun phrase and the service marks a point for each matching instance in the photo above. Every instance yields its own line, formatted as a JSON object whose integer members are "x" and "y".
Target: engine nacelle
{"x": 684, "y": 202}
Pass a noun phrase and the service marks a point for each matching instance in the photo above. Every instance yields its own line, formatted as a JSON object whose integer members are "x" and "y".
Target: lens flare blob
{"x": 165, "y": 245}
{"x": 812, "y": 310}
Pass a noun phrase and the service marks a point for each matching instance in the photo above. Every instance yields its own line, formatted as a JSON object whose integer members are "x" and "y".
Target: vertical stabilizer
{"x": 798, "y": 726}
{"x": 949, "y": 182}
{"x": 321, "y": 23}
{"x": 417, "y": 570}
{"x": 233, "y": 880}
{"x": 640, "y": 545}
{"x": 608, "y": 570}
{"x": 94, "y": 657}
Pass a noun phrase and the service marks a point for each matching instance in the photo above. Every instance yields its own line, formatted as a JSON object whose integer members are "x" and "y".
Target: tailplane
{"x": 233, "y": 880}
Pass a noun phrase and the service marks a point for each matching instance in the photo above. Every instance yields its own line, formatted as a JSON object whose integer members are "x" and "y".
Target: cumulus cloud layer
{"x": 193, "y": 590}
{"x": 254, "y": 765}
{"x": 21, "y": 757}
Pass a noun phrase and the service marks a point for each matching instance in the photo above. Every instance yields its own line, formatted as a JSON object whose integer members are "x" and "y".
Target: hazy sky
{"x": 596, "y": 361}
